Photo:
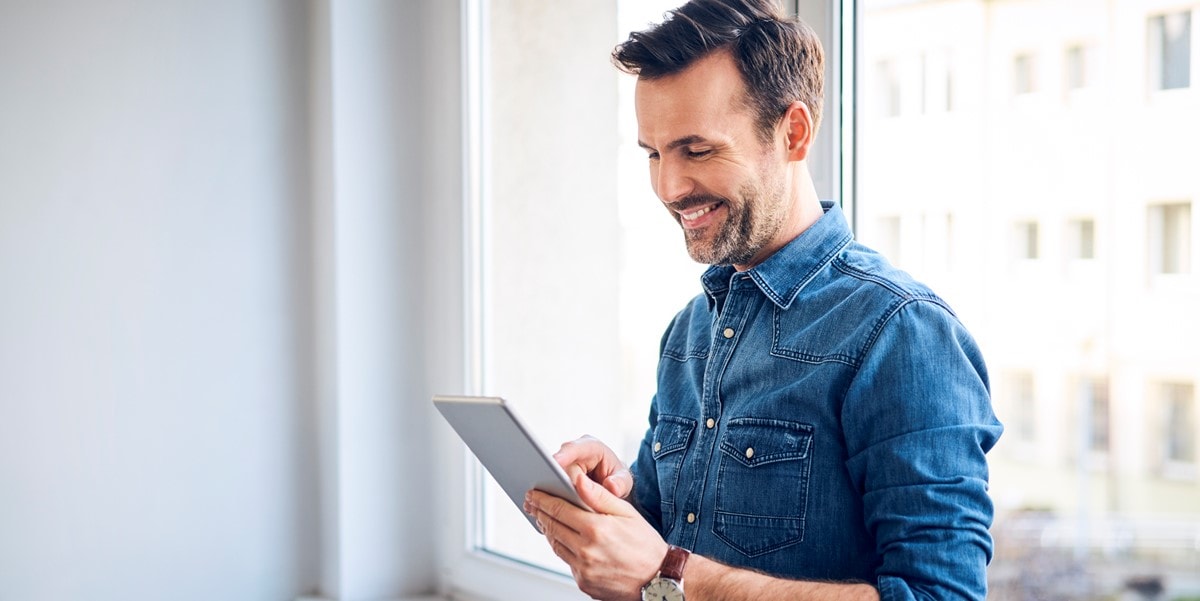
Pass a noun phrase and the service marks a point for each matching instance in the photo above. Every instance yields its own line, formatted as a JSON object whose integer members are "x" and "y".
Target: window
{"x": 1170, "y": 51}
{"x": 1023, "y": 74}
{"x": 1081, "y": 239}
{"x": 570, "y": 220}
{"x": 1093, "y": 398}
{"x": 1179, "y": 422}
{"x": 1170, "y": 238}
{"x": 937, "y": 82}
{"x": 949, "y": 88}
{"x": 887, "y": 238}
{"x": 889, "y": 88}
{"x": 983, "y": 162}
{"x": 1023, "y": 182}
{"x": 1076, "y": 67}
{"x": 1025, "y": 239}
{"x": 1021, "y": 421}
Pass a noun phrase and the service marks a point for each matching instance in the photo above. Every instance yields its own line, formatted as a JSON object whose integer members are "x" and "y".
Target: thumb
{"x": 600, "y": 499}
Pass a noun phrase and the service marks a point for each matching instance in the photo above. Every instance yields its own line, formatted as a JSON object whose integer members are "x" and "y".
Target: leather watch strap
{"x": 672, "y": 565}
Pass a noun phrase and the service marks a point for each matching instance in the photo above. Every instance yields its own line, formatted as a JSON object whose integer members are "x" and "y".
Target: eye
{"x": 653, "y": 156}
{"x": 698, "y": 154}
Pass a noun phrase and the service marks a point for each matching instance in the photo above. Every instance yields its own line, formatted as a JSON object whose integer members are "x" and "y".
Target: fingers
{"x": 586, "y": 452}
{"x": 563, "y": 552}
{"x": 588, "y": 455}
{"x": 558, "y": 520}
{"x": 601, "y": 499}
{"x": 612, "y": 552}
{"x": 553, "y": 512}
{"x": 619, "y": 483}
{"x": 573, "y": 470}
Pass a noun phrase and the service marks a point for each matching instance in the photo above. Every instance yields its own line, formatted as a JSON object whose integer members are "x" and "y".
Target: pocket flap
{"x": 671, "y": 434}
{"x": 754, "y": 441}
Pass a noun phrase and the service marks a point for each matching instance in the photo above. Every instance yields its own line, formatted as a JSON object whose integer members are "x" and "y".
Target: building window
{"x": 1076, "y": 67}
{"x": 937, "y": 82}
{"x": 1020, "y": 400}
{"x": 1081, "y": 238}
{"x": 1093, "y": 394}
{"x": 889, "y": 86}
{"x": 949, "y": 89}
{"x": 1170, "y": 238}
{"x": 887, "y": 238}
{"x": 1179, "y": 422}
{"x": 1023, "y": 74}
{"x": 1025, "y": 239}
{"x": 1170, "y": 51}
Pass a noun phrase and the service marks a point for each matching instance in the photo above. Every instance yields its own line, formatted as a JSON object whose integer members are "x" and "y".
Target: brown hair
{"x": 779, "y": 58}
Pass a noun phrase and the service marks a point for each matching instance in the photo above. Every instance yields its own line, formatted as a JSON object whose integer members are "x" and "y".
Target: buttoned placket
{"x": 731, "y": 315}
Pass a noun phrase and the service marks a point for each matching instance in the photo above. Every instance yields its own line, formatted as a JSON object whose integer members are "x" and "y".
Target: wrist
{"x": 668, "y": 584}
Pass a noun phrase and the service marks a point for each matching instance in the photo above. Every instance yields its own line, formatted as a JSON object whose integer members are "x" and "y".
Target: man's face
{"x": 721, "y": 182}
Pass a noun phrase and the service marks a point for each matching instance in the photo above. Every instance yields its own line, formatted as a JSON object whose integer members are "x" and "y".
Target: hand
{"x": 589, "y": 456}
{"x": 612, "y": 552}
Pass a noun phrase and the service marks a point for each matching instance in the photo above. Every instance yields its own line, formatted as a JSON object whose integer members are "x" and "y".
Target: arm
{"x": 918, "y": 422}
{"x": 707, "y": 580}
{"x": 615, "y": 551}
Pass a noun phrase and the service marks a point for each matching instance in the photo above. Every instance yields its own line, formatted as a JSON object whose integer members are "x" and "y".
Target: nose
{"x": 671, "y": 180}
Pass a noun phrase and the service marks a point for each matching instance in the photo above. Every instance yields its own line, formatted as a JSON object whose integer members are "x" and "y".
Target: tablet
{"x": 505, "y": 447}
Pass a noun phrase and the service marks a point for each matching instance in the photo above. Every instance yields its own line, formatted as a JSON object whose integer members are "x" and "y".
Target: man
{"x": 821, "y": 420}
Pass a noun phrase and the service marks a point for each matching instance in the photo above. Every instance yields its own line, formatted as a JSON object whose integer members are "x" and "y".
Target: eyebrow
{"x": 684, "y": 141}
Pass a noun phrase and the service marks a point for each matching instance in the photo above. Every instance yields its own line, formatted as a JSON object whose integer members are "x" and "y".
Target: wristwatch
{"x": 668, "y": 585}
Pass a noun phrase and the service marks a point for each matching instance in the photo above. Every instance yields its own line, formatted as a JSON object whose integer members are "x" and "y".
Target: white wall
{"x": 211, "y": 283}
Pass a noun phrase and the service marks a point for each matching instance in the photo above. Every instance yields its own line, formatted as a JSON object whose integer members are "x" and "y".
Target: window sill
{"x": 426, "y": 598}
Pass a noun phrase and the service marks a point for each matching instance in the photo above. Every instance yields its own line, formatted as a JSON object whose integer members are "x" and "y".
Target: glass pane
{"x": 574, "y": 239}
{"x": 1076, "y": 68}
{"x": 1171, "y": 49}
{"x": 1094, "y": 362}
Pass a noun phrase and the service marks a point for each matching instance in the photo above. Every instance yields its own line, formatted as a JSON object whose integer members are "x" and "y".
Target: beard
{"x": 751, "y": 222}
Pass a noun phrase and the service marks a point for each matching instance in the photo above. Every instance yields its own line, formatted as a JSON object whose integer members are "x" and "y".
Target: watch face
{"x": 662, "y": 589}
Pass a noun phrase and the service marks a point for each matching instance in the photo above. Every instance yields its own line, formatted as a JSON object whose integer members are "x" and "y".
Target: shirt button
{"x": 728, "y": 332}
{"x": 691, "y": 518}
{"x": 711, "y": 422}
{"x": 749, "y": 452}
{"x": 657, "y": 447}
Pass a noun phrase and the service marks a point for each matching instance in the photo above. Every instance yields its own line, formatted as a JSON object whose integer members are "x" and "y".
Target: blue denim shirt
{"x": 824, "y": 416}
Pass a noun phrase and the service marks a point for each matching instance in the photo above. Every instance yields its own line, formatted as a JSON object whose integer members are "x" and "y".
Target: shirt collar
{"x": 784, "y": 274}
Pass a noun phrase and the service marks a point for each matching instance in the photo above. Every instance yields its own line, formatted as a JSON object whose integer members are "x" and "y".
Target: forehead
{"x": 706, "y": 99}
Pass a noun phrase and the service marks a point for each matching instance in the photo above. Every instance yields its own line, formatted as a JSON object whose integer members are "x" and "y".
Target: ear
{"x": 798, "y": 123}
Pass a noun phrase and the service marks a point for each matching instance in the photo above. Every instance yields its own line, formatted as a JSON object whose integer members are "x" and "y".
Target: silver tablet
{"x": 505, "y": 447}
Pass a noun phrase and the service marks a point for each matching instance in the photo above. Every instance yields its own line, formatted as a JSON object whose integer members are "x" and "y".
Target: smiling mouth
{"x": 693, "y": 215}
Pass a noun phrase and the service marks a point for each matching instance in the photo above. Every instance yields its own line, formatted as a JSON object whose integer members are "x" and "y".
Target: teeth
{"x": 697, "y": 214}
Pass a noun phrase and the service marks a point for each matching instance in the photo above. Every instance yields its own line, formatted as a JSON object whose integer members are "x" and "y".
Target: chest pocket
{"x": 671, "y": 436}
{"x": 762, "y": 484}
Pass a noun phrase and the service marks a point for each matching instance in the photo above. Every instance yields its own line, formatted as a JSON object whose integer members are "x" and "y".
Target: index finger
{"x": 600, "y": 463}
{"x": 586, "y": 452}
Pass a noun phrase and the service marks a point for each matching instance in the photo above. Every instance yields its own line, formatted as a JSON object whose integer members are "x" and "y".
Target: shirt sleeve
{"x": 918, "y": 422}
{"x": 647, "y": 497}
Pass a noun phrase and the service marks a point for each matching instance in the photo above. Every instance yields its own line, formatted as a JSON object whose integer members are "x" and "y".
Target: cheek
{"x": 654, "y": 182}
{"x": 732, "y": 182}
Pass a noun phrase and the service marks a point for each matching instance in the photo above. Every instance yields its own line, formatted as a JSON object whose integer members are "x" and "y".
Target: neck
{"x": 805, "y": 210}
{"x": 806, "y": 205}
